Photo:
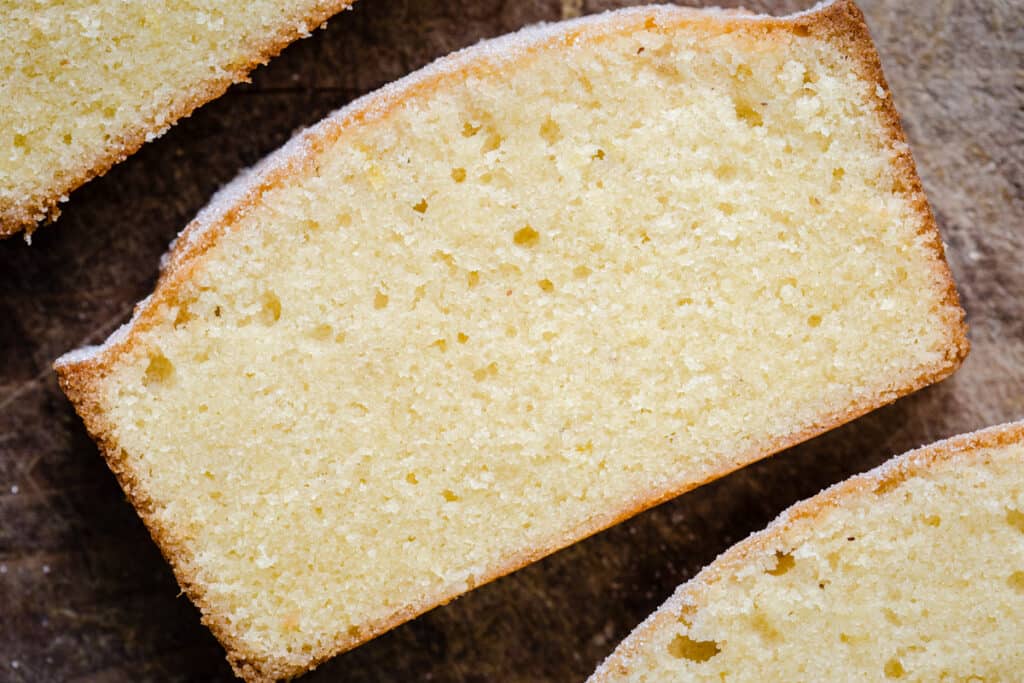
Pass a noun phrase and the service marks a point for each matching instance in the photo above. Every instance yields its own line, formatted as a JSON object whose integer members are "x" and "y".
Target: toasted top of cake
{"x": 914, "y": 571}
{"x": 493, "y": 308}
{"x": 85, "y": 83}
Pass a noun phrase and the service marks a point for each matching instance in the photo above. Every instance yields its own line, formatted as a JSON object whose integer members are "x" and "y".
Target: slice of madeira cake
{"x": 913, "y": 571}
{"x": 83, "y": 84}
{"x": 510, "y": 300}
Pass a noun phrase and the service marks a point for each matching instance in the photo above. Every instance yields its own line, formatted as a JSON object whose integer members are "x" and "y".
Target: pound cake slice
{"x": 913, "y": 571}
{"x": 499, "y": 305}
{"x": 85, "y": 83}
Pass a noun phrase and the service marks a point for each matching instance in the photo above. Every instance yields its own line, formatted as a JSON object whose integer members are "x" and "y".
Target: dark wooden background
{"x": 84, "y": 594}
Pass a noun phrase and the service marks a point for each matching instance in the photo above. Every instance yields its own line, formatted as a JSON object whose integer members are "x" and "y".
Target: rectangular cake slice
{"x": 83, "y": 84}
{"x": 501, "y": 304}
{"x": 914, "y": 571}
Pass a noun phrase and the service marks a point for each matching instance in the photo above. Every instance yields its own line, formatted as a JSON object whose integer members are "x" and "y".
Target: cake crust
{"x": 29, "y": 213}
{"x": 801, "y": 516}
{"x": 840, "y": 22}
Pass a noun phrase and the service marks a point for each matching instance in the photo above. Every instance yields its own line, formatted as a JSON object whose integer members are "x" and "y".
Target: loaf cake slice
{"x": 499, "y": 305}
{"x": 85, "y": 83}
{"x": 913, "y": 571}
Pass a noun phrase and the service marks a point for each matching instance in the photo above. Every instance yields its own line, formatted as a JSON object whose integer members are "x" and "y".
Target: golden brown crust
{"x": 843, "y": 23}
{"x": 31, "y": 211}
{"x": 803, "y": 516}
{"x": 840, "y": 23}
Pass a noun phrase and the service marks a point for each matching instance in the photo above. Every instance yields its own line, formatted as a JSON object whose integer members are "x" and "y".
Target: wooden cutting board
{"x": 84, "y": 594}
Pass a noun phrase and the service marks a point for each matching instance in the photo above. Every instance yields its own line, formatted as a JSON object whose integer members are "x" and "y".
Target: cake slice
{"x": 913, "y": 571}
{"x": 84, "y": 84}
{"x": 510, "y": 300}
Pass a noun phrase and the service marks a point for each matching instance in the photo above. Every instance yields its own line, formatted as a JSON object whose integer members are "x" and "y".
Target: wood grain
{"x": 85, "y": 596}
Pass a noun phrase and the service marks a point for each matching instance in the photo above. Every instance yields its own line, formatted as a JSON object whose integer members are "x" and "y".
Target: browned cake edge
{"x": 801, "y": 517}
{"x": 840, "y": 23}
{"x": 31, "y": 211}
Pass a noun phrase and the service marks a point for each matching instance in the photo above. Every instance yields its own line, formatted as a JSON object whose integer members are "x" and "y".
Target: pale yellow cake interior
{"x": 515, "y": 307}
{"x": 917, "y": 581}
{"x": 78, "y": 78}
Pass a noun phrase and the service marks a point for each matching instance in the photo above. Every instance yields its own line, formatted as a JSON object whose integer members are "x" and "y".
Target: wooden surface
{"x": 84, "y": 594}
